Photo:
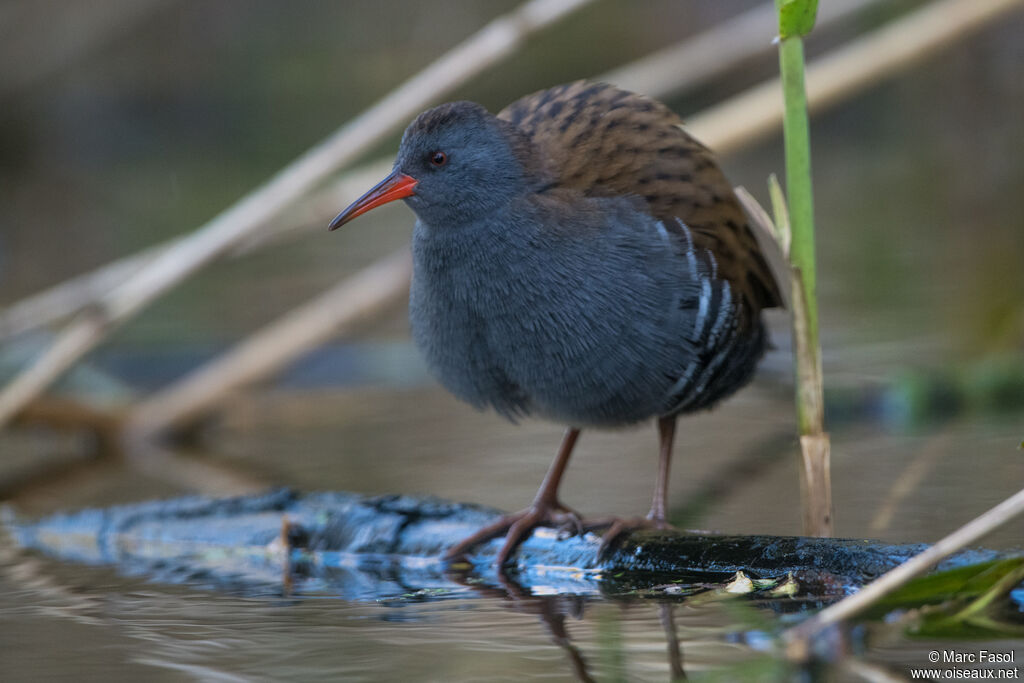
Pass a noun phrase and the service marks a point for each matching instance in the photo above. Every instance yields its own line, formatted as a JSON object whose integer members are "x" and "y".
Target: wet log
{"x": 371, "y": 548}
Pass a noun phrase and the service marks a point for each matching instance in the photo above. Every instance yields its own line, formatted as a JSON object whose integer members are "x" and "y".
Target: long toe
{"x": 556, "y": 516}
{"x": 518, "y": 533}
{"x": 517, "y": 527}
{"x": 461, "y": 550}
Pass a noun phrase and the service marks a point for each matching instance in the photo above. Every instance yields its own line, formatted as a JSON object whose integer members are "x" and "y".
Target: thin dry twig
{"x": 799, "y": 638}
{"x": 721, "y": 48}
{"x": 496, "y": 40}
{"x": 757, "y": 113}
{"x": 775, "y": 250}
{"x": 667, "y": 72}
{"x": 176, "y": 401}
{"x": 275, "y": 346}
{"x": 815, "y": 446}
{"x": 851, "y": 69}
{"x": 71, "y": 296}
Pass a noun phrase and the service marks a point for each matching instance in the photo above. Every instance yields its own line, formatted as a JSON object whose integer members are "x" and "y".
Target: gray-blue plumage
{"x": 579, "y": 258}
{"x": 511, "y": 313}
{"x": 531, "y": 298}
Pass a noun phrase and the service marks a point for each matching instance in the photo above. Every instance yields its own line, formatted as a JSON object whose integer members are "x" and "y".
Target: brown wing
{"x": 607, "y": 141}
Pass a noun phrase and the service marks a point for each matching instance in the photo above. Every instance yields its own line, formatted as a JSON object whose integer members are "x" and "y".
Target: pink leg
{"x": 656, "y": 518}
{"x": 546, "y": 510}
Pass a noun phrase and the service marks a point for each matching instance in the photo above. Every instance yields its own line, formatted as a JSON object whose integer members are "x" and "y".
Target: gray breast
{"x": 448, "y": 313}
{"x": 519, "y": 318}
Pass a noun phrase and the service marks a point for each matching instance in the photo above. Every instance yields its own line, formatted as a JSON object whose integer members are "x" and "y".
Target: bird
{"x": 580, "y": 258}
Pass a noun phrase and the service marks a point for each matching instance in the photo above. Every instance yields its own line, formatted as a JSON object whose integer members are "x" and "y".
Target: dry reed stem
{"x": 275, "y": 346}
{"x": 496, "y": 40}
{"x": 816, "y": 485}
{"x": 684, "y": 65}
{"x": 71, "y": 296}
{"x": 721, "y": 48}
{"x": 799, "y": 639}
{"x": 815, "y": 447}
{"x": 774, "y": 249}
{"x": 864, "y": 62}
{"x": 742, "y": 119}
{"x": 221, "y": 377}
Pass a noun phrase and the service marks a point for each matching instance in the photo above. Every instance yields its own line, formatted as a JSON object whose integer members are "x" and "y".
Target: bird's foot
{"x": 517, "y": 527}
{"x": 618, "y": 528}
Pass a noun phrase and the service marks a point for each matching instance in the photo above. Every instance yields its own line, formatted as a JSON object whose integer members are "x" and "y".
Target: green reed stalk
{"x": 796, "y": 19}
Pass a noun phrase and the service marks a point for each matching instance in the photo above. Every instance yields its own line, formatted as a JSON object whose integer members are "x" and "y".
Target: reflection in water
{"x": 211, "y": 633}
{"x": 147, "y": 633}
{"x": 552, "y": 611}
{"x": 127, "y": 630}
{"x": 921, "y": 267}
{"x": 675, "y": 653}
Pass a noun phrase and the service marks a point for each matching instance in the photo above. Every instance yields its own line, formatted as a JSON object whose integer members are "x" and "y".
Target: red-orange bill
{"x": 395, "y": 186}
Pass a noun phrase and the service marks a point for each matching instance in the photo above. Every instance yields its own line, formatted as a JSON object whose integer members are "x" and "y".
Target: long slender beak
{"x": 395, "y": 186}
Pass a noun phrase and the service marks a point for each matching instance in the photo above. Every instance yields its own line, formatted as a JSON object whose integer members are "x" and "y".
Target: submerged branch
{"x": 365, "y": 548}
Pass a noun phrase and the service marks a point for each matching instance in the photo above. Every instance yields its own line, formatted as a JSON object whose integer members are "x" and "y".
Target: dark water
{"x": 107, "y": 627}
{"x": 921, "y": 241}
{"x": 99, "y": 629}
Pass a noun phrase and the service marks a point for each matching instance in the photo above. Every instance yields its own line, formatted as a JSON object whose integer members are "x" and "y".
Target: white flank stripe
{"x": 723, "y": 309}
{"x": 702, "y": 310}
{"x": 684, "y": 380}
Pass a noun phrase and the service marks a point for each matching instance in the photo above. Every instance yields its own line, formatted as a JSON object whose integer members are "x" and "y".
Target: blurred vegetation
{"x": 969, "y": 602}
{"x": 126, "y": 122}
{"x": 165, "y": 123}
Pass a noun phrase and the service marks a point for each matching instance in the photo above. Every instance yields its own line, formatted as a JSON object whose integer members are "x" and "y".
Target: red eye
{"x": 439, "y": 159}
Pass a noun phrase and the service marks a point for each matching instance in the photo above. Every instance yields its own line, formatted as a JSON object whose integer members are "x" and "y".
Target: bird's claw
{"x": 517, "y": 527}
{"x": 572, "y": 526}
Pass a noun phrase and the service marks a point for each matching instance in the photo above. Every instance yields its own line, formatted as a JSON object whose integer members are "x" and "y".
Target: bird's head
{"x": 457, "y": 163}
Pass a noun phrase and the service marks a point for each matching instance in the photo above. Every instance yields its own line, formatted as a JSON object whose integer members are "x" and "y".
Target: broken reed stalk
{"x": 274, "y": 347}
{"x": 725, "y": 127}
{"x": 69, "y": 297}
{"x": 867, "y": 61}
{"x": 178, "y": 408}
{"x": 672, "y": 71}
{"x": 799, "y": 639}
{"x": 747, "y": 117}
{"x": 796, "y": 19}
{"x": 496, "y": 40}
{"x": 692, "y": 61}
